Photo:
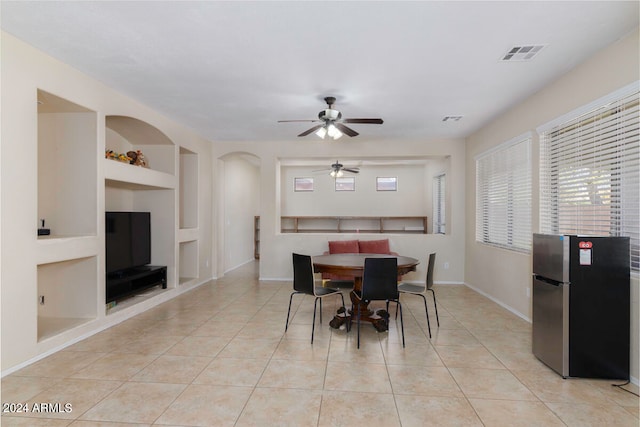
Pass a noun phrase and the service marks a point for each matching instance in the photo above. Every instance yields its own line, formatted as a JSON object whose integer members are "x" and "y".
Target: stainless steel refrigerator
{"x": 581, "y": 305}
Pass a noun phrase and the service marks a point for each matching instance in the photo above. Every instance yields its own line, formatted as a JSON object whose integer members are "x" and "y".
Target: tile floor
{"x": 218, "y": 356}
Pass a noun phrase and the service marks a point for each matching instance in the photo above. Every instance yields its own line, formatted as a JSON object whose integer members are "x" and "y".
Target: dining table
{"x": 352, "y": 265}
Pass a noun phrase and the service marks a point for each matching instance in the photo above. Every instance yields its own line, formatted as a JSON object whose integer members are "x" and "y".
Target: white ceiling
{"x": 231, "y": 70}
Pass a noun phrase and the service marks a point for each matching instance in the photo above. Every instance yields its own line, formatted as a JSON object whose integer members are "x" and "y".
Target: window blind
{"x": 503, "y": 195}
{"x": 590, "y": 169}
{"x": 439, "y": 204}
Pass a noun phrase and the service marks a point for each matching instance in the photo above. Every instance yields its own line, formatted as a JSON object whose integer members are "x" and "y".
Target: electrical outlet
{"x": 528, "y": 293}
{"x": 446, "y": 265}
{"x": 41, "y": 298}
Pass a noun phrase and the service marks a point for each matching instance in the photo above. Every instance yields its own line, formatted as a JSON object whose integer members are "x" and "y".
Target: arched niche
{"x": 124, "y": 133}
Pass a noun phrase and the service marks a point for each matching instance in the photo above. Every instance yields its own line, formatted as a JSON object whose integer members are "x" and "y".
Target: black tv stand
{"x": 127, "y": 282}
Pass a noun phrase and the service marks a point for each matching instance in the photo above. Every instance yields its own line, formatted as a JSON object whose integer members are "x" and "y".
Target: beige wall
{"x": 409, "y": 199}
{"x": 505, "y": 275}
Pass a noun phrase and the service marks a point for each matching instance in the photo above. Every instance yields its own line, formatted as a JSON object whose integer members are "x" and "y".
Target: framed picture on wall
{"x": 346, "y": 183}
{"x": 303, "y": 184}
{"x": 387, "y": 183}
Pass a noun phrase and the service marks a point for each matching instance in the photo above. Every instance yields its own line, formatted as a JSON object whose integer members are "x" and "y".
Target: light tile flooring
{"x": 218, "y": 356}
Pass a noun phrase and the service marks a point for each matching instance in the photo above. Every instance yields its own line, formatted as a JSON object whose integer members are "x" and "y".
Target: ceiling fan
{"x": 337, "y": 170}
{"x": 332, "y": 123}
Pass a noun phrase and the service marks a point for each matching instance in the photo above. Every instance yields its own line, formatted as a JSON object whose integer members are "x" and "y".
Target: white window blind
{"x": 439, "y": 204}
{"x": 503, "y": 195}
{"x": 589, "y": 177}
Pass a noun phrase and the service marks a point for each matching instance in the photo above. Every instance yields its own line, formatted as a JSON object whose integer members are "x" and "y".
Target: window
{"x": 589, "y": 177}
{"x": 438, "y": 204}
{"x": 387, "y": 184}
{"x": 303, "y": 184}
{"x": 345, "y": 184}
{"x": 503, "y": 195}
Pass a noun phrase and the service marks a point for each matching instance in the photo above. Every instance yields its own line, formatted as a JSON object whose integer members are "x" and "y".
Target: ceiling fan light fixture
{"x": 336, "y": 173}
{"x": 333, "y": 131}
{"x": 322, "y": 132}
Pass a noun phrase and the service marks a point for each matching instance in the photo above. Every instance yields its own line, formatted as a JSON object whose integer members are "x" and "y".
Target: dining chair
{"x": 304, "y": 283}
{"x": 379, "y": 283}
{"x": 408, "y": 288}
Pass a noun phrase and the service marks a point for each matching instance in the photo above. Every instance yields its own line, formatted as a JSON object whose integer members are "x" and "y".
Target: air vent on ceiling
{"x": 522, "y": 53}
{"x": 452, "y": 118}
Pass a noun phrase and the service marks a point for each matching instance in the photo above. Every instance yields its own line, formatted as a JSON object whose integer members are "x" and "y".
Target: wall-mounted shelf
{"x": 354, "y": 224}
{"x": 136, "y": 177}
{"x": 56, "y": 248}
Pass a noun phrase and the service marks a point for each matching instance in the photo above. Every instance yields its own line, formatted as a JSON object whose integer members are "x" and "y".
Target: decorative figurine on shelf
{"x": 110, "y": 154}
{"x": 137, "y": 158}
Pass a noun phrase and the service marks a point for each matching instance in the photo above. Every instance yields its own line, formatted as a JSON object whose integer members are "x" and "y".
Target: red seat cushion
{"x": 343, "y": 247}
{"x": 374, "y": 246}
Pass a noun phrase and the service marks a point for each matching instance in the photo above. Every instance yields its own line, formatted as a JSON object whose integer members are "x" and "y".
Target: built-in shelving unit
{"x": 188, "y": 189}
{"x": 354, "y": 224}
{"x": 66, "y": 259}
{"x": 67, "y": 295}
{"x": 67, "y": 169}
{"x": 188, "y": 247}
{"x": 55, "y": 133}
{"x": 144, "y": 189}
{"x": 188, "y": 262}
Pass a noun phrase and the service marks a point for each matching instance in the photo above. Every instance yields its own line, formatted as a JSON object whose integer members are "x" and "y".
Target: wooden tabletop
{"x": 353, "y": 264}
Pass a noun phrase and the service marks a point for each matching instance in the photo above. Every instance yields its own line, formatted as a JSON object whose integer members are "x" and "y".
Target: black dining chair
{"x": 408, "y": 288}
{"x": 380, "y": 283}
{"x": 304, "y": 283}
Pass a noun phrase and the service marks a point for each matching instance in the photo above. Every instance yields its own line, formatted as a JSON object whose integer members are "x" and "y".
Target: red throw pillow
{"x": 374, "y": 246}
{"x": 343, "y": 247}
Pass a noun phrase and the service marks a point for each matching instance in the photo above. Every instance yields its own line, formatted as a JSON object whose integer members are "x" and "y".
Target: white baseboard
{"x": 497, "y": 301}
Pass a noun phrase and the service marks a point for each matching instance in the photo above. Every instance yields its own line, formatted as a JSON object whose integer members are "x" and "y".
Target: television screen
{"x": 128, "y": 240}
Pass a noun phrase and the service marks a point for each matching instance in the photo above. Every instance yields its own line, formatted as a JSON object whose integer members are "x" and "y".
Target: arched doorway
{"x": 239, "y": 206}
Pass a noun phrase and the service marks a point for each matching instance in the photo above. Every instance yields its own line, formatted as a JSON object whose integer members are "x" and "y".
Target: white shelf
{"x": 188, "y": 261}
{"x": 187, "y": 235}
{"x": 48, "y": 327}
{"x": 67, "y": 295}
{"x": 60, "y": 248}
{"x": 123, "y": 175}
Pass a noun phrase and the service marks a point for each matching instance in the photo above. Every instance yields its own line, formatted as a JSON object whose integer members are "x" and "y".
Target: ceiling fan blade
{"x": 313, "y": 129}
{"x": 352, "y": 170}
{"x": 346, "y": 130}
{"x": 293, "y": 121}
{"x": 364, "y": 121}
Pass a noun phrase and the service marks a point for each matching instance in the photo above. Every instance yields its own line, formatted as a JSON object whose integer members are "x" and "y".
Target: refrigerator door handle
{"x": 548, "y": 281}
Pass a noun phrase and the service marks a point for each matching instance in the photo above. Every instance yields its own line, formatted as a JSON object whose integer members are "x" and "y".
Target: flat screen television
{"x": 128, "y": 240}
